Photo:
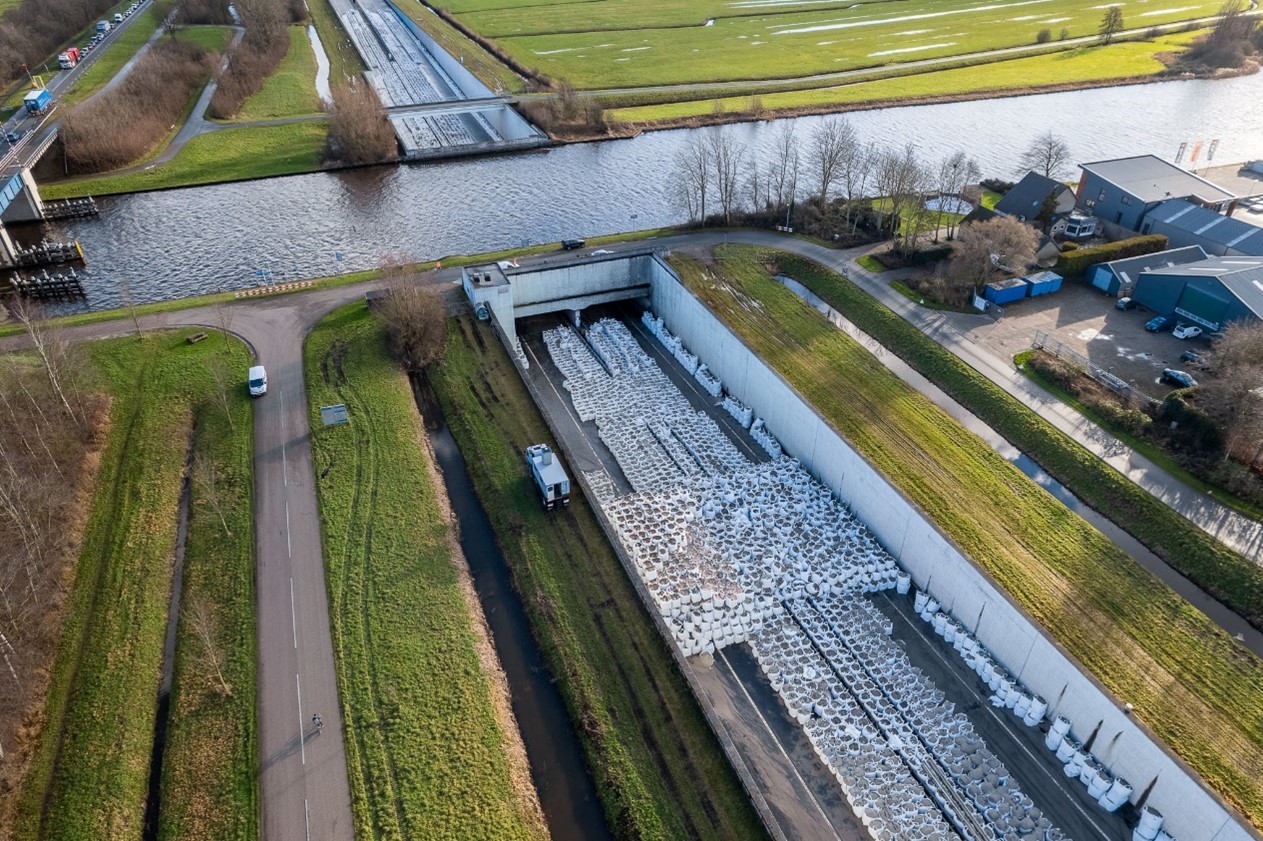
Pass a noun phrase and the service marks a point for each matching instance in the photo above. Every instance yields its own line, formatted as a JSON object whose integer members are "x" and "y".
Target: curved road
{"x": 303, "y": 779}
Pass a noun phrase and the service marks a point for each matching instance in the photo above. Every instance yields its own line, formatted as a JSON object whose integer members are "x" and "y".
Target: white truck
{"x": 550, "y": 477}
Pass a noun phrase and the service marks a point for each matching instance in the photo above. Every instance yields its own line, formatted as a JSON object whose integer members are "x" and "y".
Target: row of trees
{"x": 122, "y": 124}
{"x": 717, "y": 179}
{"x": 47, "y": 425}
{"x": 261, "y": 51}
{"x": 34, "y": 29}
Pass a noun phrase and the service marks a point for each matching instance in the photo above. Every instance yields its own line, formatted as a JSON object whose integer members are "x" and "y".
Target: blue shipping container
{"x": 1005, "y": 291}
{"x": 37, "y": 101}
{"x": 1043, "y": 283}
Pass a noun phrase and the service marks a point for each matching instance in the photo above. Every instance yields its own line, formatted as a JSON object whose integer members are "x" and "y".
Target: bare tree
{"x": 901, "y": 180}
{"x": 856, "y": 171}
{"x": 1048, "y": 154}
{"x": 200, "y": 617}
{"x": 1233, "y": 398}
{"x": 1111, "y": 24}
{"x": 416, "y": 321}
{"x": 205, "y": 477}
{"x": 727, "y": 157}
{"x": 954, "y": 173}
{"x": 225, "y": 379}
{"x": 985, "y": 251}
{"x": 831, "y": 143}
{"x": 783, "y": 176}
{"x": 359, "y": 132}
{"x": 693, "y": 176}
{"x": 49, "y": 345}
{"x": 129, "y": 301}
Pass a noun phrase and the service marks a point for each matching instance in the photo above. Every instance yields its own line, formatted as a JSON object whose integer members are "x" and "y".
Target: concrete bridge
{"x": 20, "y": 200}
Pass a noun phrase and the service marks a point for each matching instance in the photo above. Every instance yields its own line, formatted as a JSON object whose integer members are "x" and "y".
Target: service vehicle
{"x": 1180, "y": 379}
{"x": 102, "y": 27}
{"x": 258, "y": 380}
{"x": 1125, "y": 304}
{"x": 37, "y": 101}
{"x": 1187, "y": 331}
{"x": 69, "y": 58}
{"x": 550, "y": 477}
{"x": 1158, "y": 322}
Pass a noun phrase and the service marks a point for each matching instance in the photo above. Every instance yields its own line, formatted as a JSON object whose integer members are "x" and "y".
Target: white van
{"x": 258, "y": 381}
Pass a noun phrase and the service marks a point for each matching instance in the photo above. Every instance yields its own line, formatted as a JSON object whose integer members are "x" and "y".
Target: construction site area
{"x": 864, "y": 682}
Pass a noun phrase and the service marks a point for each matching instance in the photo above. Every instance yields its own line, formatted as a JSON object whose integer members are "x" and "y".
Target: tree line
{"x": 35, "y": 29}
{"x": 261, "y": 51}
{"x": 827, "y": 170}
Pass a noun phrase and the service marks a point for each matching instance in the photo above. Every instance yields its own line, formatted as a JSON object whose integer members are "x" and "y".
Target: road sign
{"x": 333, "y": 415}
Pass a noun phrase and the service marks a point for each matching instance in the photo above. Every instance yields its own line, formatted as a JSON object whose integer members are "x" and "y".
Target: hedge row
{"x": 1224, "y": 574}
{"x": 1077, "y": 261}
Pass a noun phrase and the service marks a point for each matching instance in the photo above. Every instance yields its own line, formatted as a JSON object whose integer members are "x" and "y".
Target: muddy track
{"x": 116, "y": 496}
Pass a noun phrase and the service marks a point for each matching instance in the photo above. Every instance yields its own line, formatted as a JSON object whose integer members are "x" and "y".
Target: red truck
{"x": 69, "y": 58}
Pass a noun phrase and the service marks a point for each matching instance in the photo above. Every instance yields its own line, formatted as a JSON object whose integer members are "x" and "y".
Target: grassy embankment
{"x": 426, "y": 750}
{"x": 1197, "y": 689}
{"x": 1081, "y": 66}
{"x": 344, "y": 60}
{"x": 1144, "y": 446}
{"x": 110, "y": 58}
{"x": 658, "y": 768}
{"x": 89, "y": 775}
{"x": 230, "y": 154}
{"x": 291, "y": 90}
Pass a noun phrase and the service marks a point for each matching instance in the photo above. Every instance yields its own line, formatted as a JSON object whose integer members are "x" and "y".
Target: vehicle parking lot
{"x": 1088, "y": 322}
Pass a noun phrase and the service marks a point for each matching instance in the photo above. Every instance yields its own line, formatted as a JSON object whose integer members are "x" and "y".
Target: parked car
{"x": 14, "y": 136}
{"x": 600, "y": 252}
{"x": 572, "y": 244}
{"x": 1194, "y": 357}
{"x": 258, "y": 380}
{"x": 1125, "y": 304}
{"x": 1158, "y": 322}
{"x": 1180, "y": 379}
{"x": 1187, "y": 331}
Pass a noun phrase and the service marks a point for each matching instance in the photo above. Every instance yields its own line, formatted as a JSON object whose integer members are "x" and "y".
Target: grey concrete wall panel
{"x": 1192, "y": 812}
{"x": 468, "y": 83}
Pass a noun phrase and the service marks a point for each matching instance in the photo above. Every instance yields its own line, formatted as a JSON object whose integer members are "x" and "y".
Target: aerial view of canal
{"x": 188, "y": 241}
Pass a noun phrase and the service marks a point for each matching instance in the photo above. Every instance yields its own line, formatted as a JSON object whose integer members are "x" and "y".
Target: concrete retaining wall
{"x": 937, "y": 565}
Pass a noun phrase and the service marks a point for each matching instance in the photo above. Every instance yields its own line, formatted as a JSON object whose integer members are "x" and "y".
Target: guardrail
{"x": 1045, "y": 342}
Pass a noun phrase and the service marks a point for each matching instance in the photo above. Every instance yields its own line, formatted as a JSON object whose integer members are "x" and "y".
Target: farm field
{"x": 427, "y": 752}
{"x": 1076, "y": 66}
{"x": 291, "y": 90}
{"x": 1190, "y": 683}
{"x": 659, "y": 770}
{"x": 627, "y": 43}
{"x": 89, "y": 773}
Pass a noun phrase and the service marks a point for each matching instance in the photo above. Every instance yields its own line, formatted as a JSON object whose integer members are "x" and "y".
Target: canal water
{"x": 182, "y": 242}
{"x": 1235, "y": 625}
{"x": 567, "y": 793}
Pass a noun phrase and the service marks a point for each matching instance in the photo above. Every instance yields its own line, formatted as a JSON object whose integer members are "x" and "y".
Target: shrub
{"x": 996, "y": 185}
{"x": 1065, "y": 34}
{"x": 258, "y": 55}
{"x": 125, "y": 122}
{"x": 1074, "y": 263}
{"x": 1043, "y": 36}
{"x": 359, "y": 132}
{"x": 1069, "y": 246}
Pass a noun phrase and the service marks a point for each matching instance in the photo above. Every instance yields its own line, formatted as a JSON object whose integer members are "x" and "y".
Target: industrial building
{"x": 1184, "y": 223}
{"x": 1209, "y": 293}
{"x": 1118, "y": 278}
{"x": 1124, "y": 191}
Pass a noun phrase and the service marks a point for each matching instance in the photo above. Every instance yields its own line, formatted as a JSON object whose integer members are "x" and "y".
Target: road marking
{"x": 284, "y": 466}
{"x": 289, "y": 549}
{"x": 306, "y": 820}
{"x": 302, "y": 735}
{"x": 293, "y": 614}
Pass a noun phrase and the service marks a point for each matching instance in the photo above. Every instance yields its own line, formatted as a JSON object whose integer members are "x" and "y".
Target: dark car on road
{"x": 572, "y": 244}
{"x": 1180, "y": 379}
{"x": 1158, "y": 322}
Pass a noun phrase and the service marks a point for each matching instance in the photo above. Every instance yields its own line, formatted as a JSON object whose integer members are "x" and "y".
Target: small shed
{"x": 1005, "y": 291}
{"x": 1042, "y": 283}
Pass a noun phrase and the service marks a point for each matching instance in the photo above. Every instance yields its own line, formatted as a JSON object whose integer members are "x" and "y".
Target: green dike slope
{"x": 425, "y": 752}
{"x": 90, "y": 770}
{"x": 1198, "y": 690}
{"x": 658, "y": 768}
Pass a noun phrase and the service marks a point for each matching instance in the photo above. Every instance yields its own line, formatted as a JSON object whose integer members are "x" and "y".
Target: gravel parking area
{"x": 1086, "y": 321}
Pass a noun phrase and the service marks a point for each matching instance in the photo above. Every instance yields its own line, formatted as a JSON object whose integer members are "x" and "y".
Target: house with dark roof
{"x": 1040, "y": 201}
{"x": 1123, "y": 191}
{"x": 1185, "y": 223}
{"x": 1119, "y": 277}
{"x": 1209, "y": 293}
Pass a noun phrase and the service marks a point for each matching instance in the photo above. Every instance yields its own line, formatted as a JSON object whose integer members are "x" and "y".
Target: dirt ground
{"x": 1086, "y": 321}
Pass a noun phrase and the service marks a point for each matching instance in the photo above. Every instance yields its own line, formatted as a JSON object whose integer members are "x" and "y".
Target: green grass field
{"x": 1197, "y": 689}
{"x": 291, "y": 90}
{"x": 230, "y": 154}
{"x": 1079, "y": 66}
{"x": 90, "y": 770}
{"x": 344, "y": 60}
{"x": 425, "y": 751}
{"x": 659, "y": 771}
{"x": 624, "y": 43}
{"x": 213, "y": 39}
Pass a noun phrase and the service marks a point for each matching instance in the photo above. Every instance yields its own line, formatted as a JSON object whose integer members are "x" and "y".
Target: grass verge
{"x": 425, "y": 752}
{"x": 230, "y": 154}
{"x": 345, "y": 63}
{"x": 871, "y": 263}
{"x": 1192, "y": 685}
{"x": 89, "y": 775}
{"x": 658, "y": 768}
{"x": 291, "y": 90}
{"x": 108, "y": 62}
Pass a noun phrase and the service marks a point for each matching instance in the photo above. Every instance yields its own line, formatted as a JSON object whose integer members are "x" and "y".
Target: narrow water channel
{"x": 1221, "y": 615}
{"x": 566, "y": 790}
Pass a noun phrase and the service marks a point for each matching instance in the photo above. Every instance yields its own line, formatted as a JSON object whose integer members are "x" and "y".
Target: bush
{"x": 1189, "y": 428}
{"x": 359, "y": 132}
{"x": 1069, "y": 246}
{"x": 1043, "y": 36}
{"x": 125, "y": 122}
{"x": 258, "y": 55}
{"x": 1075, "y": 262}
{"x": 996, "y": 185}
{"x": 1065, "y": 34}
